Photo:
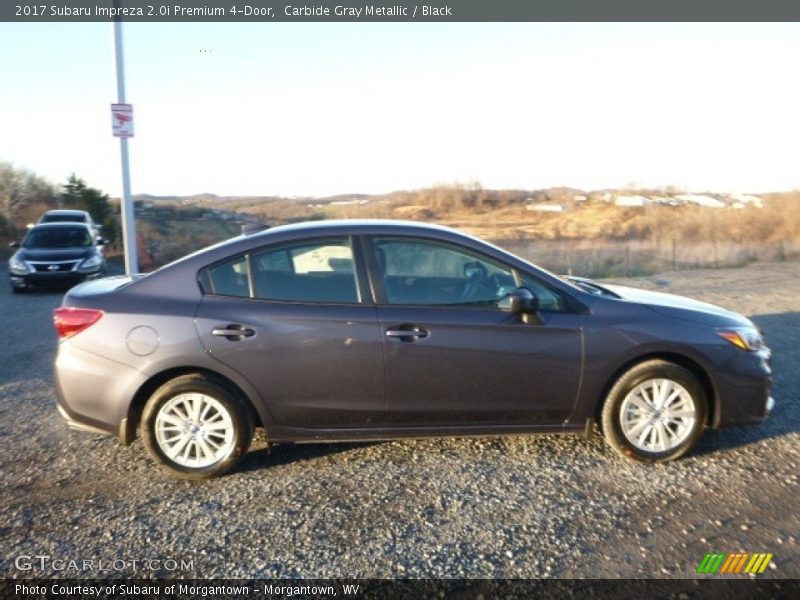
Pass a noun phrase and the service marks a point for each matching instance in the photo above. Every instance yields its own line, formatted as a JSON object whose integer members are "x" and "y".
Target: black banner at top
{"x": 398, "y": 10}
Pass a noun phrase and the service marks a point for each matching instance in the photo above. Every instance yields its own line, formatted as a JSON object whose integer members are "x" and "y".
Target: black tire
{"x": 614, "y": 412}
{"x": 17, "y": 290}
{"x": 237, "y": 432}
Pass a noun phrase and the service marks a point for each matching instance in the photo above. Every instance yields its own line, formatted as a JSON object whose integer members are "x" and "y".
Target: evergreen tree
{"x": 78, "y": 195}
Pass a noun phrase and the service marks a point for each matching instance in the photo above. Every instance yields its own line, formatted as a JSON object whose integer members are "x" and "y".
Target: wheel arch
{"x": 691, "y": 365}
{"x": 156, "y": 381}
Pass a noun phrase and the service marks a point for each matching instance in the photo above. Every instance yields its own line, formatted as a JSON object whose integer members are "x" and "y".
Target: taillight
{"x": 69, "y": 321}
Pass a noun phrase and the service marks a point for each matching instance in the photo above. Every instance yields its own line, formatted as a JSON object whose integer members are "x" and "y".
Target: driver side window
{"x": 427, "y": 273}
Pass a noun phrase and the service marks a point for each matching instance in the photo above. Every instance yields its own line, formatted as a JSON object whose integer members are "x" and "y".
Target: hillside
{"x": 596, "y": 233}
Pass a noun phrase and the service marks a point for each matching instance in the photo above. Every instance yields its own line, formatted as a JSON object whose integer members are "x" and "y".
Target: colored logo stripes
{"x": 740, "y": 562}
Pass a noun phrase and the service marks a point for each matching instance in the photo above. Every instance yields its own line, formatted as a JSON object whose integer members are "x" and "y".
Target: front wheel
{"x": 196, "y": 428}
{"x": 655, "y": 412}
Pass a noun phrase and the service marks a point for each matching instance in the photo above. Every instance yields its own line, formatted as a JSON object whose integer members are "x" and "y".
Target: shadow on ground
{"x": 284, "y": 454}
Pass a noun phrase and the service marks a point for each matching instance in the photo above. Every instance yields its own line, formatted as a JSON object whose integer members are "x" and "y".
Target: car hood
{"x": 680, "y": 307}
{"x": 55, "y": 254}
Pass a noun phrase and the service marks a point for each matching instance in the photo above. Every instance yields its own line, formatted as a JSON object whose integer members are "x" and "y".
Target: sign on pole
{"x": 122, "y": 120}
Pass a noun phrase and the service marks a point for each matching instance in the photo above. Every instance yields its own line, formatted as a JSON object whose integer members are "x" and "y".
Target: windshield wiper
{"x": 590, "y": 286}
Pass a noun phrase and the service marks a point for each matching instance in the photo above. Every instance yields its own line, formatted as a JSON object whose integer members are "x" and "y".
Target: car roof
{"x": 61, "y": 225}
{"x": 66, "y": 212}
{"x": 356, "y": 226}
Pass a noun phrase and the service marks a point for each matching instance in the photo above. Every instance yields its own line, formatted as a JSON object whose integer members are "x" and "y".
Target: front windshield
{"x": 61, "y": 237}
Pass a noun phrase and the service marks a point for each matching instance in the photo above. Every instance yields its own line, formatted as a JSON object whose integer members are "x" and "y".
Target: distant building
{"x": 545, "y": 207}
{"x": 701, "y": 200}
{"x": 349, "y": 202}
{"x": 632, "y": 201}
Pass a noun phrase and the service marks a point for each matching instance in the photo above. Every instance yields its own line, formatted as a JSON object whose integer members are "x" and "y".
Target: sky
{"x": 317, "y": 109}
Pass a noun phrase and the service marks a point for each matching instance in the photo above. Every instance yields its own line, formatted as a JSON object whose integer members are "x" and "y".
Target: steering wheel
{"x": 476, "y": 277}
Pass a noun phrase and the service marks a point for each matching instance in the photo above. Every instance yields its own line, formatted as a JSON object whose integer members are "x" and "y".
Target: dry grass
{"x": 591, "y": 238}
{"x": 502, "y": 215}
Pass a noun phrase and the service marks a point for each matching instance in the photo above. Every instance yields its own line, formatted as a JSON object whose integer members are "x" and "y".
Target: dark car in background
{"x": 372, "y": 330}
{"x": 56, "y": 255}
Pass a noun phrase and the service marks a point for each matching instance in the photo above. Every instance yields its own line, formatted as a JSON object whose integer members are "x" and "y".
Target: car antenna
{"x": 251, "y": 228}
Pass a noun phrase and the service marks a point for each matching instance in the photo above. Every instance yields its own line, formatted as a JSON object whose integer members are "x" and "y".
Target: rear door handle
{"x": 409, "y": 334}
{"x": 233, "y": 333}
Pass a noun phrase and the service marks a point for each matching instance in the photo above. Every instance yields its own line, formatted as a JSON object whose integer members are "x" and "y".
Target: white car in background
{"x": 68, "y": 216}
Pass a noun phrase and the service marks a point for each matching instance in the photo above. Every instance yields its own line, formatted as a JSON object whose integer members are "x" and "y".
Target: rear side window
{"x": 309, "y": 271}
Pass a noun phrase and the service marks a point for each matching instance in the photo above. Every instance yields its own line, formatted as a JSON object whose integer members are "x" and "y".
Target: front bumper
{"x": 743, "y": 389}
{"x": 56, "y": 279}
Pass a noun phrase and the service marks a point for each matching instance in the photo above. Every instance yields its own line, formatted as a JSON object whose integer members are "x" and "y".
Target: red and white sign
{"x": 122, "y": 120}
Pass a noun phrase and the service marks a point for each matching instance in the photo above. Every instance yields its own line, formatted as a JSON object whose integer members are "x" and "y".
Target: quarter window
{"x": 230, "y": 278}
{"x": 549, "y": 300}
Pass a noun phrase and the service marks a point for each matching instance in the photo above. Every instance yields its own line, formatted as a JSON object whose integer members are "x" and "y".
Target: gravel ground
{"x": 517, "y": 507}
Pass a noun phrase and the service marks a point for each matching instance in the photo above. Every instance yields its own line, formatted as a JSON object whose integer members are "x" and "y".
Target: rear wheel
{"x": 655, "y": 412}
{"x": 195, "y": 427}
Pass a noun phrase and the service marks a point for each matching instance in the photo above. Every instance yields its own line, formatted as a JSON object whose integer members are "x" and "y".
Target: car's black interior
{"x": 316, "y": 286}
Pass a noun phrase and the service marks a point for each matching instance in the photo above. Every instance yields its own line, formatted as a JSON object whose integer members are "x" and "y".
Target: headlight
{"x": 746, "y": 338}
{"x": 91, "y": 264}
{"x": 17, "y": 267}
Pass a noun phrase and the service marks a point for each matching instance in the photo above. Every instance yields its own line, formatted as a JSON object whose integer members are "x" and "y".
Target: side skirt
{"x": 300, "y": 435}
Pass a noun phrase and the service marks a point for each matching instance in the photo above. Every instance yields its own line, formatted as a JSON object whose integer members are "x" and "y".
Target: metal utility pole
{"x": 126, "y": 208}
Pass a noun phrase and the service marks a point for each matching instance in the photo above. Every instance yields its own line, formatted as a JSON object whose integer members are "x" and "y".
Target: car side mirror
{"x": 525, "y": 304}
{"x": 101, "y": 241}
{"x": 13, "y": 244}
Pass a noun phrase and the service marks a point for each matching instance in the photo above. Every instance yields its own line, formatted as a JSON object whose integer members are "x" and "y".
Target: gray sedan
{"x": 372, "y": 330}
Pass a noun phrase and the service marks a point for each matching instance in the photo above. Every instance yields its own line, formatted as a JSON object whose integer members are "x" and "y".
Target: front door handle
{"x": 408, "y": 334}
{"x": 234, "y": 332}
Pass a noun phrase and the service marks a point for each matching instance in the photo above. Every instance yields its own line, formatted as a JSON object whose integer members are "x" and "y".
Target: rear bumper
{"x": 94, "y": 392}
{"x": 87, "y": 425}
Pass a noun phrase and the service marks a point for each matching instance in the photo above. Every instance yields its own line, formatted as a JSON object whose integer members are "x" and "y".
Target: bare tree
{"x": 20, "y": 189}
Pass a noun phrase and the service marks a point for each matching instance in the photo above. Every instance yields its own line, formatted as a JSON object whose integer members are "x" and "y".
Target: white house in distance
{"x": 632, "y": 201}
{"x": 543, "y": 207}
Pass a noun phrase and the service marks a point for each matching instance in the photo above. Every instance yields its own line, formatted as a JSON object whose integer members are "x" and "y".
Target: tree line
{"x": 24, "y": 196}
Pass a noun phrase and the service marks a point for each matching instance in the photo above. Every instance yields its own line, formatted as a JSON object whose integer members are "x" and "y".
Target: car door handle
{"x": 234, "y": 333}
{"x": 414, "y": 333}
